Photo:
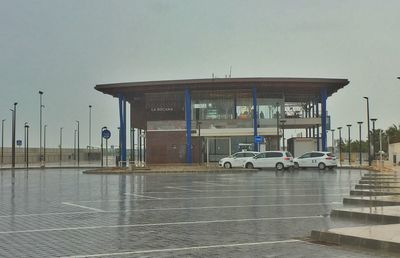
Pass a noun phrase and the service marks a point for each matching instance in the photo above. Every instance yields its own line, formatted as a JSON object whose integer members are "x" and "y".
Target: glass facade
{"x": 215, "y": 105}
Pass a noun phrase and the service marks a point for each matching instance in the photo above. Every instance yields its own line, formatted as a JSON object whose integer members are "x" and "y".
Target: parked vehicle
{"x": 237, "y": 159}
{"x": 315, "y": 159}
{"x": 270, "y": 159}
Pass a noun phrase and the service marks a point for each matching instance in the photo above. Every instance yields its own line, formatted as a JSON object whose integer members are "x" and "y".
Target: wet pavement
{"x": 62, "y": 212}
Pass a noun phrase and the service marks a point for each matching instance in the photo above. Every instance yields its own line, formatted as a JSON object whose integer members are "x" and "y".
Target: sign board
{"x": 258, "y": 139}
{"x": 203, "y": 105}
{"x": 19, "y": 142}
{"x": 106, "y": 134}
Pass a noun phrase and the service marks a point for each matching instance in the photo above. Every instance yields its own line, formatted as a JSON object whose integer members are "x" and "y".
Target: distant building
{"x": 394, "y": 153}
{"x": 205, "y": 119}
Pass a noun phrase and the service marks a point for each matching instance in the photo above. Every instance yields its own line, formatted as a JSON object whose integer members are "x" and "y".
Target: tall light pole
{"x": 26, "y": 126}
{"x": 44, "y": 145}
{"x": 369, "y": 133}
{"x": 90, "y": 129}
{"x": 61, "y": 128}
{"x": 283, "y": 121}
{"x": 348, "y": 126}
{"x": 74, "y": 145}
{"x": 360, "y": 147}
{"x": 340, "y": 145}
{"x": 78, "y": 140}
{"x": 373, "y": 137}
{"x": 2, "y": 141}
{"x": 333, "y": 140}
{"x": 14, "y": 117}
{"x": 277, "y": 127}
{"x": 40, "y": 128}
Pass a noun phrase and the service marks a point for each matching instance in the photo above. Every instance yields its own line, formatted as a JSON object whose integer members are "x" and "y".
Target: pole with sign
{"x": 106, "y": 134}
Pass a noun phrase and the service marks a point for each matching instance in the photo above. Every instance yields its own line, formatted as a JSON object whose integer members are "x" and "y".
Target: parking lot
{"x": 53, "y": 213}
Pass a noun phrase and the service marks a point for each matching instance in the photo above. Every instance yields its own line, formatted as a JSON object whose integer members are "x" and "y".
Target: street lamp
{"x": 373, "y": 137}
{"x": 369, "y": 133}
{"x": 78, "y": 140}
{"x": 44, "y": 145}
{"x": 90, "y": 127}
{"x": 2, "y": 141}
{"x": 200, "y": 141}
{"x": 40, "y": 128}
{"x": 14, "y": 117}
{"x": 26, "y": 126}
{"x": 61, "y": 128}
{"x": 359, "y": 127}
{"x": 283, "y": 121}
{"x": 340, "y": 145}
{"x": 348, "y": 126}
{"x": 277, "y": 126}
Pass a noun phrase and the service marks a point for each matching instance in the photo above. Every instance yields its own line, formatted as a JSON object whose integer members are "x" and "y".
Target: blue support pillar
{"x": 188, "y": 117}
{"x": 122, "y": 126}
{"x": 318, "y": 136}
{"x": 255, "y": 118}
{"x": 324, "y": 96}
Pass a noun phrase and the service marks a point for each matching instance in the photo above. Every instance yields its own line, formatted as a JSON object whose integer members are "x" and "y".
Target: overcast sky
{"x": 65, "y": 48}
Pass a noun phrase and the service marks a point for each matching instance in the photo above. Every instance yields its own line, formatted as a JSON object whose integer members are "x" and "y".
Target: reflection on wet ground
{"x": 47, "y": 213}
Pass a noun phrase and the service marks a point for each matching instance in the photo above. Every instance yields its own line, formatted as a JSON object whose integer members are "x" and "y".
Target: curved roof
{"x": 290, "y": 86}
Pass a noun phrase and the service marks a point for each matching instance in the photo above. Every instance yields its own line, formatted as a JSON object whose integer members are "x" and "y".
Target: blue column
{"x": 317, "y": 107}
{"x": 255, "y": 118}
{"x": 324, "y": 96}
{"x": 188, "y": 117}
{"x": 122, "y": 126}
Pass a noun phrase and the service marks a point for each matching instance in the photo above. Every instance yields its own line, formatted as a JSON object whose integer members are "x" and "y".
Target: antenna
{"x": 230, "y": 72}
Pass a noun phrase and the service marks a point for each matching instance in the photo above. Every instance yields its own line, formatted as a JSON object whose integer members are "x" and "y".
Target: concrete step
{"x": 380, "y": 174}
{"x": 376, "y": 182}
{"x": 383, "y": 214}
{"x": 381, "y": 237}
{"x": 371, "y": 192}
{"x": 389, "y": 200}
{"x": 377, "y": 187}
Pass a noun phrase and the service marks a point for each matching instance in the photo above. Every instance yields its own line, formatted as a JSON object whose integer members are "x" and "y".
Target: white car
{"x": 237, "y": 159}
{"x": 315, "y": 159}
{"x": 270, "y": 159}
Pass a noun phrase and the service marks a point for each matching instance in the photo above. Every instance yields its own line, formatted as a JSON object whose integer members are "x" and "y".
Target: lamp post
{"x": 200, "y": 141}
{"x": 369, "y": 133}
{"x": 61, "y": 129}
{"x": 348, "y": 126}
{"x": 74, "y": 145}
{"x": 340, "y": 145}
{"x": 283, "y": 121}
{"x": 373, "y": 137}
{"x": 78, "y": 141}
{"x": 26, "y": 126}
{"x": 333, "y": 140}
{"x": 40, "y": 128}
{"x": 14, "y": 117}
{"x": 277, "y": 127}
{"x": 360, "y": 147}
{"x": 2, "y": 141}
{"x": 101, "y": 145}
{"x": 44, "y": 145}
{"x": 90, "y": 129}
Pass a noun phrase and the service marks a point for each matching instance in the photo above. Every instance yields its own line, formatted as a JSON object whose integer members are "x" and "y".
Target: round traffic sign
{"x": 106, "y": 134}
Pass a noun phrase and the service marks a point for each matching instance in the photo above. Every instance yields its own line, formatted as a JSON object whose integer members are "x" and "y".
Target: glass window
{"x": 305, "y": 156}
{"x": 288, "y": 154}
{"x": 216, "y": 105}
{"x": 244, "y": 106}
{"x": 267, "y": 108}
{"x": 240, "y": 155}
{"x": 261, "y": 155}
{"x": 247, "y": 155}
{"x": 316, "y": 154}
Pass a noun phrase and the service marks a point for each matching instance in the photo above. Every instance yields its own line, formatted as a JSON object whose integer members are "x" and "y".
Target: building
{"x": 204, "y": 119}
{"x": 394, "y": 153}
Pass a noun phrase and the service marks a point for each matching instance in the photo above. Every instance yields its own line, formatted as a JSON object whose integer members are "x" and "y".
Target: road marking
{"x": 210, "y": 183}
{"x": 251, "y": 190}
{"x": 240, "y": 196}
{"x": 188, "y": 248}
{"x": 81, "y": 206}
{"x": 172, "y": 209}
{"x": 143, "y": 196}
{"x": 160, "y": 224}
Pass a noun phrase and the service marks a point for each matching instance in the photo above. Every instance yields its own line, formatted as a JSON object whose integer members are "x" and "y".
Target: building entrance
{"x": 218, "y": 148}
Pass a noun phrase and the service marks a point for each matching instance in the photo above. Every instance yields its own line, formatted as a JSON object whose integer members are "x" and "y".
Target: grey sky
{"x": 66, "y": 47}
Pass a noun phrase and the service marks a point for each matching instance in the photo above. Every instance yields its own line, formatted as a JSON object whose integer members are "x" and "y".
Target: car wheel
{"x": 279, "y": 166}
{"x": 227, "y": 165}
{"x": 321, "y": 166}
{"x": 296, "y": 165}
{"x": 249, "y": 165}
